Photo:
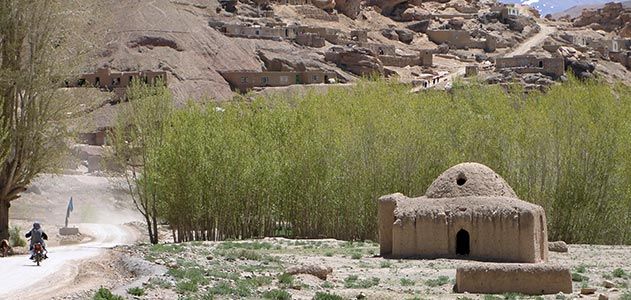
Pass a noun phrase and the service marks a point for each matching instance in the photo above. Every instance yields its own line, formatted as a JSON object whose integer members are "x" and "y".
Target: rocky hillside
{"x": 176, "y": 36}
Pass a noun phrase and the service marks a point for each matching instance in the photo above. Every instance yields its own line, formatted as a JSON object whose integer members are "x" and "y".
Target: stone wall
{"x": 460, "y": 39}
{"x": 244, "y": 81}
{"x": 310, "y": 40}
{"x": 313, "y": 12}
{"x": 399, "y": 60}
{"x": 530, "y": 64}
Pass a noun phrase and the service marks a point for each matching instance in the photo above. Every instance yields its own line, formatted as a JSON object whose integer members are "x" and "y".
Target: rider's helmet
{"x": 36, "y": 225}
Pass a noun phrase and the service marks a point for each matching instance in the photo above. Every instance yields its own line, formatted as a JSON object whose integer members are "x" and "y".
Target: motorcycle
{"x": 38, "y": 253}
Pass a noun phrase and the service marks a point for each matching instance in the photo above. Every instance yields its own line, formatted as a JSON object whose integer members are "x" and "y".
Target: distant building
{"x": 554, "y": 67}
{"x": 244, "y": 81}
{"x": 104, "y": 78}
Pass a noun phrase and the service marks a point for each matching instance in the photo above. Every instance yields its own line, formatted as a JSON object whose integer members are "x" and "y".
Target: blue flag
{"x": 70, "y": 206}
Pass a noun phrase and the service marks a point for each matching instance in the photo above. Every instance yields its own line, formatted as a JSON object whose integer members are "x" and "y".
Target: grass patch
{"x": 581, "y": 269}
{"x": 327, "y": 296}
{"x": 626, "y": 296}
{"x": 440, "y": 280}
{"x": 106, "y": 294}
{"x": 186, "y": 286}
{"x": 245, "y": 245}
{"x": 385, "y": 264}
{"x": 166, "y": 248}
{"x": 136, "y": 291}
{"x": 356, "y": 255}
{"x": 222, "y": 274}
{"x": 159, "y": 282}
{"x": 286, "y": 279}
{"x": 619, "y": 273}
{"x": 353, "y": 282}
{"x": 407, "y": 282}
{"x": 578, "y": 277}
{"x": 277, "y": 295}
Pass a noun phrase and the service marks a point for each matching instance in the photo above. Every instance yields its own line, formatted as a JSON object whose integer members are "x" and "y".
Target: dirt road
{"x": 522, "y": 49}
{"x": 101, "y": 207}
{"x": 19, "y": 277}
{"x": 533, "y": 41}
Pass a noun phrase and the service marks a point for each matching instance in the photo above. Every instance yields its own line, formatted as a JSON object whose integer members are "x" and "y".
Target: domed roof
{"x": 469, "y": 179}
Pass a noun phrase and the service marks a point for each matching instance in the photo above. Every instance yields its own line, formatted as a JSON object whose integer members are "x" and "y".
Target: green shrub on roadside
{"x": 15, "y": 237}
{"x": 277, "y": 295}
{"x": 106, "y": 294}
{"x": 136, "y": 291}
{"x": 327, "y": 296}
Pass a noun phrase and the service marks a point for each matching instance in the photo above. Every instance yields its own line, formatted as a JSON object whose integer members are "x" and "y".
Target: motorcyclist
{"x": 37, "y": 235}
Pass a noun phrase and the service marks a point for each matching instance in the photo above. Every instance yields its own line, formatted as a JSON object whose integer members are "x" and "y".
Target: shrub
{"x": 619, "y": 272}
{"x": 326, "y": 296}
{"x": 579, "y": 277}
{"x": 441, "y": 280}
{"x": 136, "y": 291}
{"x": 286, "y": 278}
{"x": 277, "y": 295}
{"x": 407, "y": 282}
{"x": 106, "y": 294}
{"x": 15, "y": 237}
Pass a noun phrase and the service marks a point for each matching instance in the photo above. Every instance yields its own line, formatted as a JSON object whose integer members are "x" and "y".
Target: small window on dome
{"x": 461, "y": 180}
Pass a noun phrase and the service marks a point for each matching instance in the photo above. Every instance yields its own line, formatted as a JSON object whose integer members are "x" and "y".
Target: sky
{"x": 554, "y": 6}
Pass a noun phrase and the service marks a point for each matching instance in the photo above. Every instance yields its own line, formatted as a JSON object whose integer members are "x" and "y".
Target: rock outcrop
{"x": 350, "y": 8}
{"x": 612, "y": 17}
{"x": 357, "y": 60}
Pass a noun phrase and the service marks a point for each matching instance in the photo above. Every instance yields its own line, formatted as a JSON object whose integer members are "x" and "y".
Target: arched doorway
{"x": 462, "y": 242}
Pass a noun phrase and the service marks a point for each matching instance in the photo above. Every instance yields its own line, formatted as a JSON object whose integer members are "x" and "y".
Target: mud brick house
{"x": 104, "y": 78}
{"x": 470, "y": 212}
{"x": 554, "y": 67}
{"x": 244, "y": 81}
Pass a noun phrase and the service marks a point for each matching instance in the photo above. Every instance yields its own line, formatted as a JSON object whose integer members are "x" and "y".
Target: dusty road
{"x": 101, "y": 207}
{"x": 19, "y": 277}
{"x": 522, "y": 49}
{"x": 533, "y": 41}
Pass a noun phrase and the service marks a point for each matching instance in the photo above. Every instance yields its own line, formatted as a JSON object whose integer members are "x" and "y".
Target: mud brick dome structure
{"x": 467, "y": 212}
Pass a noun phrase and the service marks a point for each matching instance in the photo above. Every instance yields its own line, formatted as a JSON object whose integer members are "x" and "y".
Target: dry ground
{"x": 255, "y": 269}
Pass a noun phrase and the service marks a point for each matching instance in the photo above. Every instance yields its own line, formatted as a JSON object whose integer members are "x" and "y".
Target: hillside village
{"x": 213, "y": 50}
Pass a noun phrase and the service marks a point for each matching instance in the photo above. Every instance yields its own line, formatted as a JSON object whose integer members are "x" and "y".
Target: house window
{"x": 315, "y": 78}
{"x": 541, "y": 64}
{"x": 257, "y": 32}
{"x": 284, "y": 79}
{"x": 264, "y": 80}
{"x": 244, "y": 80}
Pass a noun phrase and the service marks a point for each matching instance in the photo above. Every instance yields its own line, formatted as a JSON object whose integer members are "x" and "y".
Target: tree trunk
{"x": 4, "y": 219}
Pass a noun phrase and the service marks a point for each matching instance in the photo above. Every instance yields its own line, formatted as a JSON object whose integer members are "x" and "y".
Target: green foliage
{"x": 136, "y": 291}
{"x": 277, "y": 295}
{"x": 285, "y": 278}
{"x": 626, "y": 296}
{"x": 106, "y": 294}
{"x": 579, "y": 277}
{"x": 353, "y": 282}
{"x": 327, "y": 296}
{"x": 581, "y": 269}
{"x": 159, "y": 282}
{"x": 186, "y": 286}
{"x": 407, "y": 282}
{"x": 441, "y": 280}
{"x": 15, "y": 237}
{"x": 166, "y": 248}
{"x": 619, "y": 272}
{"x": 385, "y": 264}
{"x": 356, "y": 255}
{"x": 317, "y": 164}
